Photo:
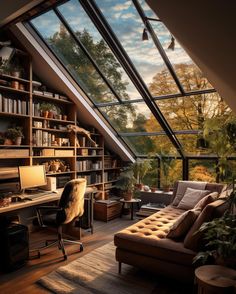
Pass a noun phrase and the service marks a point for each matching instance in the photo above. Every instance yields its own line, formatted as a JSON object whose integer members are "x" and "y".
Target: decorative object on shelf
{"x": 14, "y": 134}
{"x": 47, "y": 109}
{"x": 78, "y": 130}
{"x": 153, "y": 189}
{"x": 5, "y": 200}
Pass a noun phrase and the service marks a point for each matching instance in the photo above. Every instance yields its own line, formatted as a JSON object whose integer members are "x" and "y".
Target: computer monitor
{"x": 32, "y": 176}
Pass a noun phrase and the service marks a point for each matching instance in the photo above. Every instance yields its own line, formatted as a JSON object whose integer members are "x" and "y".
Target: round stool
{"x": 215, "y": 279}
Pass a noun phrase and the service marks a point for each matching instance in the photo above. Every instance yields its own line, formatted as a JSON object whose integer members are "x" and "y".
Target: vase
{"x": 128, "y": 196}
{"x": 18, "y": 141}
{"x": 8, "y": 142}
{"x": 45, "y": 113}
{"x": 50, "y": 114}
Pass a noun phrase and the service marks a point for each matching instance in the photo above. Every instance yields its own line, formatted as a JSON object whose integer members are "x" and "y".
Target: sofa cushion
{"x": 148, "y": 237}
{"x": 182, "y": 187}
{"x": 191, "y": 198}
{"x": 202, "y": 203}
{"x": 194, "y": 238}
{"x": 183, "y": 223}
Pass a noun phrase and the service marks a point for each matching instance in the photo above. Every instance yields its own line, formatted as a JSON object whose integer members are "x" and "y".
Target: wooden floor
{"x": 23, "y": 280}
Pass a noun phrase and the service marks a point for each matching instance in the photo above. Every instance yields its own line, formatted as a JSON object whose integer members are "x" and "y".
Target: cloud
{"x": 121, "y": 7}
{"x": 128, "y": 15}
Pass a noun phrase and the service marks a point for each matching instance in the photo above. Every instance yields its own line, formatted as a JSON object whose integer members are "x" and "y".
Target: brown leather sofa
{"x": 145, "y": 245}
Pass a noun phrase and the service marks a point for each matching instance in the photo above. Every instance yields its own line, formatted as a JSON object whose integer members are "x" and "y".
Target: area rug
{"x": 97, "y": 272}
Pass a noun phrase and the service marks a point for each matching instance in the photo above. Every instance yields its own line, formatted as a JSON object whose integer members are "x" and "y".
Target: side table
{"x": 131, "y": 204}
{"x": 215, "y": 279}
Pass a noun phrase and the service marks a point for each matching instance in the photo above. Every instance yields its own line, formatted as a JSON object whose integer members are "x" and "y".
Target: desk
{"x": 22, "y": 208}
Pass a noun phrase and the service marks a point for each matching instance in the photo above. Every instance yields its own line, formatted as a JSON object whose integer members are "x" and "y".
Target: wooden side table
{"x": 131, "y": 204}
{"x": 215, "y": 279}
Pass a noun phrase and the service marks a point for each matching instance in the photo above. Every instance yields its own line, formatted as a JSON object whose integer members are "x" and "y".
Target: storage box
{"x": 84, "y": 152}
{"x": 106, "y": 210}
{"x": 64, "y": 152}
{"x": 14, "y": 153}
{"x": 48, "y": 152}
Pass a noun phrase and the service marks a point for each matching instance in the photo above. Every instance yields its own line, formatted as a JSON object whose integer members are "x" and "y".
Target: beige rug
{"x": 97, "y": 272}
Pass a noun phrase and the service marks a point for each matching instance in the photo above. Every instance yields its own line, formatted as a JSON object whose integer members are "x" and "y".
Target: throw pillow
{"x": 206, "y": 200}
{"x": 194, "y": 238}
{"x": 191, "y": 198}
{"x": 183, "y": 223}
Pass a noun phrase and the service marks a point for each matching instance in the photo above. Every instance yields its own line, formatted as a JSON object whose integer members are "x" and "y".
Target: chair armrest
{"x": 46, "y": 207}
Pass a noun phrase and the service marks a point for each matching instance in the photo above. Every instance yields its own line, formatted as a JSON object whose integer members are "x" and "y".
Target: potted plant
{"x": 15, "y": 135}
{"x": 166, "y": 163}
{"x": 140, "y": 169}
{"x": 46, "y": 109}
{"x": 126, "y": 183}
{"x": 220, "y": 236}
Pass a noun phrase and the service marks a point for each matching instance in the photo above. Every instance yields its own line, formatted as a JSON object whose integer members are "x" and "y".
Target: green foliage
{"x": 126, "y": 181}
{"x": 220, "y": 235}
{"x": 44, "y": 106}
{"x": 14, "y": 132}
{"x": 140, "y": 169}
{"x": 167, "y": 163}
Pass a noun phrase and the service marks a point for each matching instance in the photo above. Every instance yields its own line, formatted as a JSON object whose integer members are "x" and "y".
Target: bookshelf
{"x": 46, "y": 137}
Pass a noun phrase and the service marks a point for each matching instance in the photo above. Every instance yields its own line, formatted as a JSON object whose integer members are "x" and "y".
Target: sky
{"x": 128, "y": 27}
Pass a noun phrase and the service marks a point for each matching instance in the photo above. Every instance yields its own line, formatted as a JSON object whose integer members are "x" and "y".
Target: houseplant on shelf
{"x": 126, "y": 183}
{"x": 220, "y": 236}
{"x": 47, "y": 109}
{"x": 140, "y": 169}
{"x": 15, "y": 135}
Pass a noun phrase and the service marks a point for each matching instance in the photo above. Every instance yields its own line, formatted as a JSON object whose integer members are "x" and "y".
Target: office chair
{"x": 71, "y": 206}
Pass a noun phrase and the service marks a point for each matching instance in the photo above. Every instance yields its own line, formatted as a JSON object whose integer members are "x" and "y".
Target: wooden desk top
{"x": 29, "y": 203}
{"x": 40, "y": 200}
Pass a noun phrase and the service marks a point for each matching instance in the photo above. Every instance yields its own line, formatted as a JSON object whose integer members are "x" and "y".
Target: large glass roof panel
{"x": 135, "y": 117}
{"x": 148, "y": 11}
{"x": 90, "y": 37}
{"x": 128, "y": 27}
{"x": 63, "y": 45}
{"x": 190, "y": 112}
{"x": 150, "y": 145}
{"x": 190, "y": 143}
{"x": 187, "y": 71}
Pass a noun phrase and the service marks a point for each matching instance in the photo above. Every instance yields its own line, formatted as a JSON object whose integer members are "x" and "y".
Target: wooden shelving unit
{"x": 40, "y": 150}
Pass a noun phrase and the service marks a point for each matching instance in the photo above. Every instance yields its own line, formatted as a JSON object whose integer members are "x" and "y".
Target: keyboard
{"x": 34, "y": 196}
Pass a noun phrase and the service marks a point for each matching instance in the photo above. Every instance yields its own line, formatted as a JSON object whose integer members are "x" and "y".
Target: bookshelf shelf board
{"x": 107, "y": 182}
{"x": 89, "y": 170}
{"x": 9, "y": 89}
{"x": 9, "y": 77}
{"x": 109, "y": 188}
{"x": 89, "y": 156}
{"x": 51, "y": 130}
{"x": 60, "y": 173}
{"x": 53, "y": 147}
{"x": 52, "y": 98}
{"x": 14, "y": 157}
{"x": 14, "y": 115}
{"x": 55, "y": 120}
{"x": 59, "y": 156}
{"x": 14, "y": 146}
{"x": 95, "y": 184}
{"x": 112, "y": 168}
{"x": 97, "y": 148}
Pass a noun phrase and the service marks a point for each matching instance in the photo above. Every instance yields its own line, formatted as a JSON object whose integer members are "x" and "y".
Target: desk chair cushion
{"x": 72, "y": 201}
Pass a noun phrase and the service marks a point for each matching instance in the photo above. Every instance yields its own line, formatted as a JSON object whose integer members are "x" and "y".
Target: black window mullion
{"x": 80, "y": 44}
{"x": 158, "y": 45}
{"x": 100, "y": 22}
